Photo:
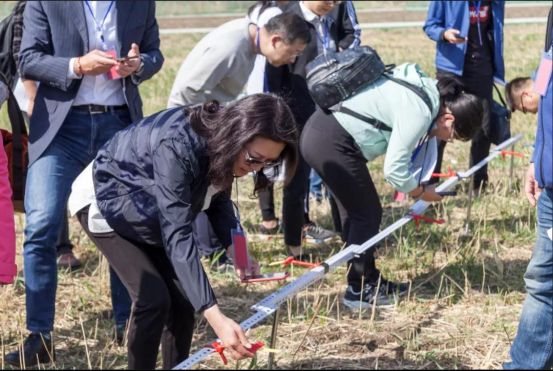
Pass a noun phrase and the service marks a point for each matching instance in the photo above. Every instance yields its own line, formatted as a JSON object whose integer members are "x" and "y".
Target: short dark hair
{"x": 291, "y": 27}
{"x": 467, "y": 108}
{"x": 229, "y": 128}
{"x": 514, "y": 88}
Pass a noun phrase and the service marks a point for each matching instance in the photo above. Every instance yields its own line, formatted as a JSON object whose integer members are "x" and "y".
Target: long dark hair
{"x": 467, "y": 108}
{"x": 229, "y": 128}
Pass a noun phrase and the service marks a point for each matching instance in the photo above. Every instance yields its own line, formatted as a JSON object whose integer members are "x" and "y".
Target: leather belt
{"x": 97, "y": 109}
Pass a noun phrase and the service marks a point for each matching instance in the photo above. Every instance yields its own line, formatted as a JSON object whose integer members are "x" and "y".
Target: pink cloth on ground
{"x": 8, "y": 269}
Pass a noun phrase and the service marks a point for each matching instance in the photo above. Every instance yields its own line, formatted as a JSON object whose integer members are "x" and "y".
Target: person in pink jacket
{"x": 8, "y": 269}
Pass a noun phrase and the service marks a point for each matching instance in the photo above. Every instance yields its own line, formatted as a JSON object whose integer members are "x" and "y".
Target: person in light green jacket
{"x": 338, "y": 145}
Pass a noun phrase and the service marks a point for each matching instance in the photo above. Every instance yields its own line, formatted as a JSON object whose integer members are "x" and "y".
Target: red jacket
{"x": 8, "y": 269}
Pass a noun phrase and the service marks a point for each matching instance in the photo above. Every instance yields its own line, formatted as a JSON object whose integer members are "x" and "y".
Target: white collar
{"x": 308, "y": 14}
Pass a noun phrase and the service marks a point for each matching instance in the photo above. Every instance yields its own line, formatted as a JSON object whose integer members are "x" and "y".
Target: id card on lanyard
{"x": 543, "y": 76}
{"x": 112, "y": 74}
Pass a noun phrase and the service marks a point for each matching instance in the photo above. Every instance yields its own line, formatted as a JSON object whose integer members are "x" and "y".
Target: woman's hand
{"x": 427, "y": 193}
{"x": 453, "y": 36}
{"x": 229, "y": 332}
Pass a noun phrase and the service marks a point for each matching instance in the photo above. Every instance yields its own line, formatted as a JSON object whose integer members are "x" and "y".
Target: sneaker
{"x": 317, "y": 233}
{"x": 388, "y": 294}
{"x": 68, "y": 261}
{"x": 221, "y": 262}
{"x": 37, "y": 348}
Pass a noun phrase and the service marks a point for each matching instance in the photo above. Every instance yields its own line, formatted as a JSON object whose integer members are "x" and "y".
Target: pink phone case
{"x": 112, "y": 73}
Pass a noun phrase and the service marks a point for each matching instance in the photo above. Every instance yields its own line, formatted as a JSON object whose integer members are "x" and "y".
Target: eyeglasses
{"x": 250, "y": 160}
{"x": 522, "y": 103}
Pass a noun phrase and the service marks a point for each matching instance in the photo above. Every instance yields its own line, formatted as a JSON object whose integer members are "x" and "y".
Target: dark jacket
{"x": 150, "y": 181}
{"x": 55, "y": 32}
{"x": 543, "y": 148}
{"x": 289, "y": 81}
{"x": 443, "y": 15}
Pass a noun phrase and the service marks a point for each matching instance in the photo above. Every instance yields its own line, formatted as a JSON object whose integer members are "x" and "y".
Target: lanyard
{"x": 99, "y": 26}
{"x": 324, "y": 38}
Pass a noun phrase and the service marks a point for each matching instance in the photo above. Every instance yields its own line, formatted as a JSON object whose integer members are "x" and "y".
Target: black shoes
{"x": 387, "y": 294}
{"x": 37, "y": 348}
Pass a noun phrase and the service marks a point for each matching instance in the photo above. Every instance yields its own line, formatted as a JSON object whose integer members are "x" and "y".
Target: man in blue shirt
{"x": 533, "y": 345}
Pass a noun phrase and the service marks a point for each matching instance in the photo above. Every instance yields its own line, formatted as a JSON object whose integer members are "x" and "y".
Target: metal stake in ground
{"x": 274, "y": 331}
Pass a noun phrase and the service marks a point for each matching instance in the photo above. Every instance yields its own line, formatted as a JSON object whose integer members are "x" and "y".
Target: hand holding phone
{"x": 127, "y": 58}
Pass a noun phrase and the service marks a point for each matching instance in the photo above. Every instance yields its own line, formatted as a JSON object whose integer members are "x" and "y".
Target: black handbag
{"x": 335, "y": 76}
{"x": 499, "y": 129}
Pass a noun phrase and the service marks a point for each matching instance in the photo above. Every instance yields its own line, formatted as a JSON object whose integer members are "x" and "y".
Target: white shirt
{"x": 99, "y": 89}
{"x": 316, "y": 21}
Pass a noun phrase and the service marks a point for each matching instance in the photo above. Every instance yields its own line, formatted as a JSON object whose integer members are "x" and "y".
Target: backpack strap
{"x": 369, "y": 120}
{"x": 415, "y": 89}
{"x": 500, "y": 96}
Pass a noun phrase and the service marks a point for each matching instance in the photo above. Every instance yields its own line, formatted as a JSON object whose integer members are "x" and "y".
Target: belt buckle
{"x": 94, "y": 111}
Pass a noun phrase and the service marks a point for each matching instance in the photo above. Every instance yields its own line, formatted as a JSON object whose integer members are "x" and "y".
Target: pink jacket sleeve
{"x": 8, "y": 269}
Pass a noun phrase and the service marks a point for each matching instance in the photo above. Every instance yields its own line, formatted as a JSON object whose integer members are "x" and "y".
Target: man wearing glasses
{"x": 521, "y": 95}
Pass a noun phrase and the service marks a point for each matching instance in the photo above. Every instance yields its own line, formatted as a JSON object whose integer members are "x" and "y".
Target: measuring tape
{"x": 270, "y": 304}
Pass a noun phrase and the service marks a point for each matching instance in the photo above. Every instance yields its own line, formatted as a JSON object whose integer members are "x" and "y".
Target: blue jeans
{"x": 47, "y": 189}
{"x": 533, "y": 345}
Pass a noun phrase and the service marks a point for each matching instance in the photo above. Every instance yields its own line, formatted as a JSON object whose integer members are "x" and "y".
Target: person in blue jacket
{"x": 532, "y": 348}
{"x": 150, "y": 181}
{"x": 469, "y": 44}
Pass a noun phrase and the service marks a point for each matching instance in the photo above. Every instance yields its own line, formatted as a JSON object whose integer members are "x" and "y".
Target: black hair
{"x": 467, "y": 108}
{"x": 513, "y": 90}
{"x": 229, "y": 128}
{"x": 291, "y": 27}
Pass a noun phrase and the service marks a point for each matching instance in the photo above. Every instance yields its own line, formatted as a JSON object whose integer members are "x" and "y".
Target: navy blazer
{"x": 53, "y": 33}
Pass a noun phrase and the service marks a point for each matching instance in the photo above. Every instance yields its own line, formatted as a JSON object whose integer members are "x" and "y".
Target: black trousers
{"x": 267, "y": 203}
{"x": 335, "y": 156}
{"x": 161, "y": 312}
{"x": 477, "y": 81}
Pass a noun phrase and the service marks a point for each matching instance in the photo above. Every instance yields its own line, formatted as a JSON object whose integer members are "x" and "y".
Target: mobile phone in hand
{"x": 459, "y": 37}
{"x": 127, "y": 58}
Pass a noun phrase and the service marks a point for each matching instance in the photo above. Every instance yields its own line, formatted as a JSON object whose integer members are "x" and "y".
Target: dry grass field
{"x": 467, "y": 290}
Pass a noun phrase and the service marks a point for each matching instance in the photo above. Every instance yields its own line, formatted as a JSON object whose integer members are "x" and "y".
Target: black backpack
{"x": 333, "y": 77}
{"x": 8, "y": 68}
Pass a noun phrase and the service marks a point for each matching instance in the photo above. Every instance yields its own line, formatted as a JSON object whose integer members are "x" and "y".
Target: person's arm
{"x": 350, "y": 33}
{"x": 172, "y": 182}
{"x": 36, "y": 60}
{"x": 150, "y": 55}
{"x": 434, "y": 27}
{"x": 205, "y": 75}
{"x": 409, "y": 125}
{"x": 36, "y": 57}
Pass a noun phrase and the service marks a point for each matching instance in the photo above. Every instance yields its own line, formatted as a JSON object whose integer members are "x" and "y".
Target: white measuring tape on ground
{"x": 270, "y": 304}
